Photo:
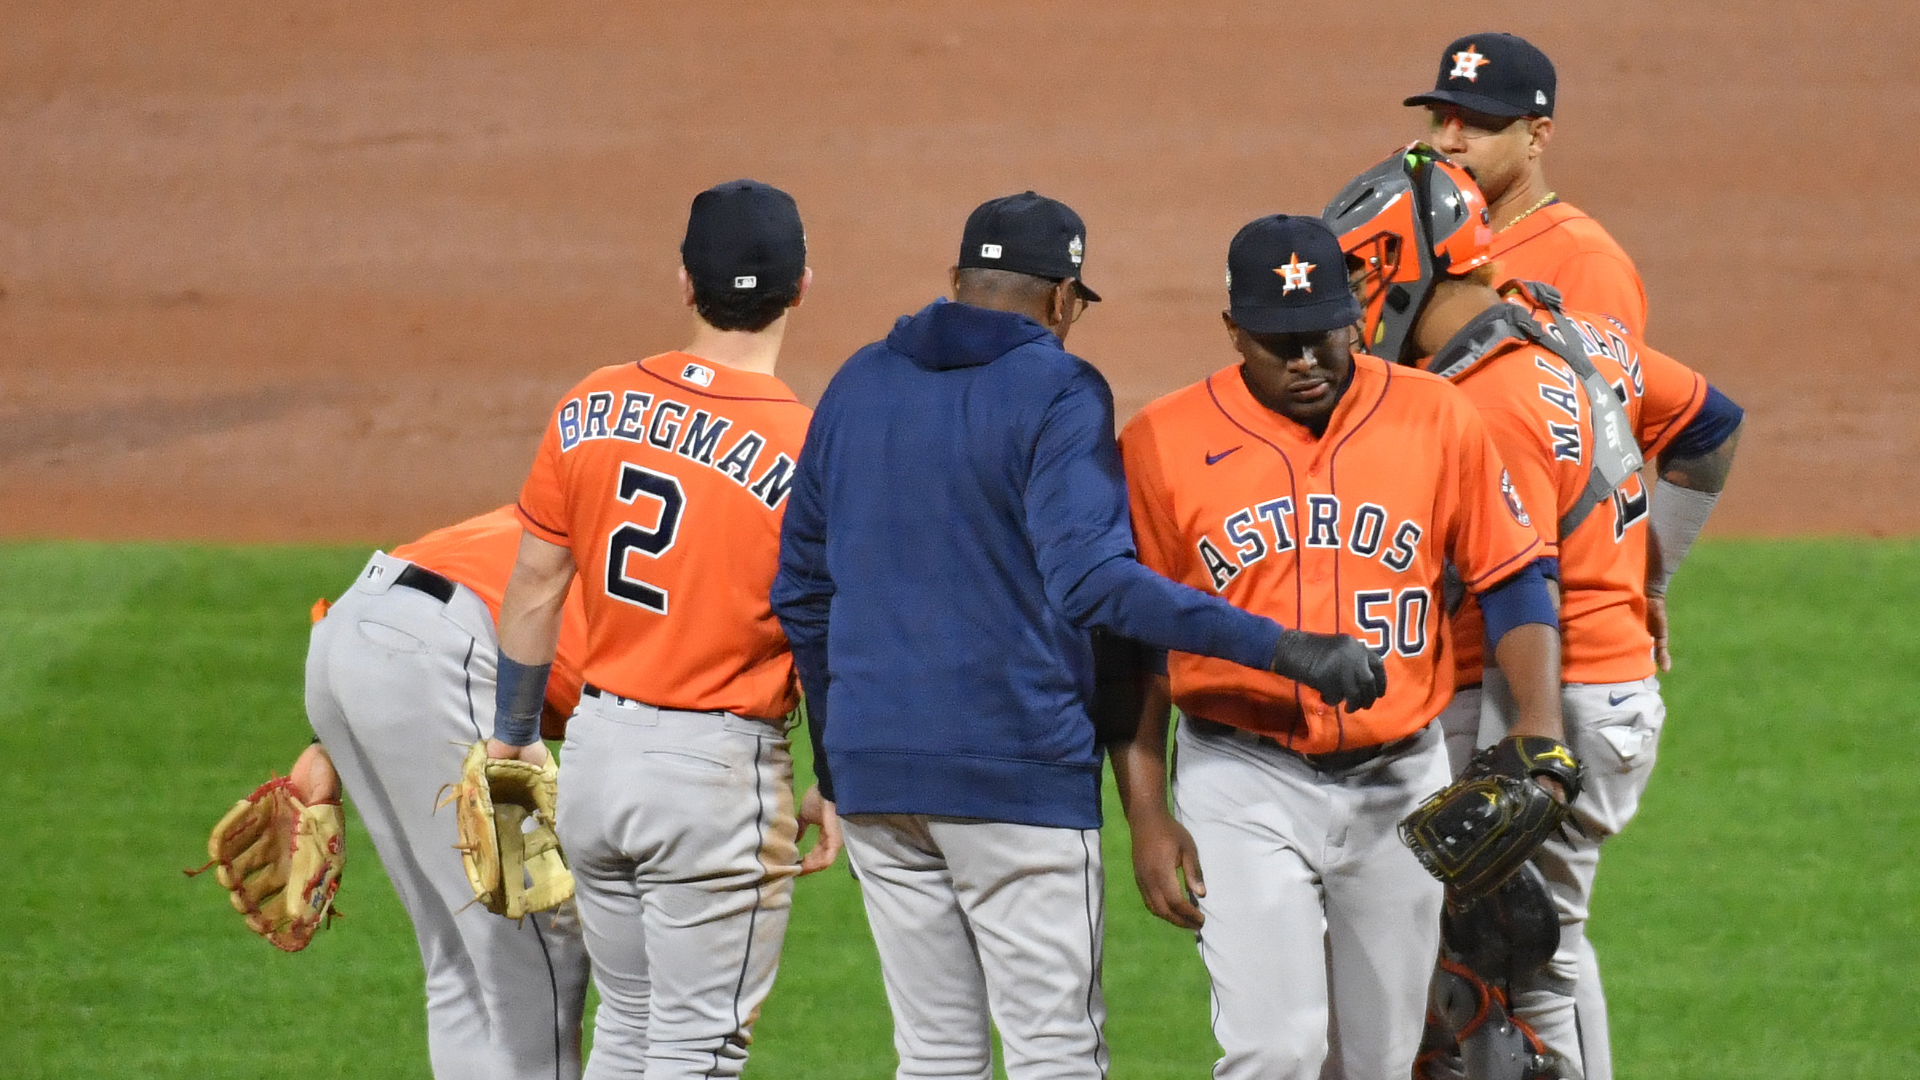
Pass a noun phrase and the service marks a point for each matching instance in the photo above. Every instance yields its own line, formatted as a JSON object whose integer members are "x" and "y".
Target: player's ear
{"x": 1540, "y": 132}
{"x": 686, "y": 288}
{"x": 1060, "y": 306}
{"x": 806, "y": 282}
{"x": 1236, "y": 336}
{"x": 953, "y": 280}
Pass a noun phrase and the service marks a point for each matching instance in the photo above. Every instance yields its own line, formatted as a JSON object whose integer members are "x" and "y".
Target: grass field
{"x": 1761, "y": 918}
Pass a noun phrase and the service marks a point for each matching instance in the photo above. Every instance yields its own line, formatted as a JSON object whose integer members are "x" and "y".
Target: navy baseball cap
{"x": 1495, "y": 74}
{"x": 1286, "y": 274}
{"x": 744, "y": 235}
{"x": 1028, "y": 234}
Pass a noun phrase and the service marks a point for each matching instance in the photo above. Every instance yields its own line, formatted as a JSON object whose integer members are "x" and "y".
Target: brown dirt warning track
{"x": 317, "y": 271}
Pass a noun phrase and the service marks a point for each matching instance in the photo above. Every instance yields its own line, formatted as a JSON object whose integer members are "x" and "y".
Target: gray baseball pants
{"x": 398, "y": 685}
{"x": 1319, "y": 920}
{"x": 679, "y": 828}
{"x": 981, "y": 919}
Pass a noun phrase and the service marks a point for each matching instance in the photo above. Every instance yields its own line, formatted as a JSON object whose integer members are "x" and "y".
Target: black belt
{"x": 1335, "y": 761}
{"x": 424, "y": 580}
{"x": 590, "y": 690}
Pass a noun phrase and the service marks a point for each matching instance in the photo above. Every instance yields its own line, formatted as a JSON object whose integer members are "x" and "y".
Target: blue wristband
{"x": 517, "y": 699}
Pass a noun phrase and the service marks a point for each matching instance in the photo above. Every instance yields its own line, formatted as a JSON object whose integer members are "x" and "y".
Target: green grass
{"x": 1759, "y": 919}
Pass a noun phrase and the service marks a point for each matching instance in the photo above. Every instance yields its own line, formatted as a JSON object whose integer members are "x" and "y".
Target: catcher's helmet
{"x": 1404, "y": 224}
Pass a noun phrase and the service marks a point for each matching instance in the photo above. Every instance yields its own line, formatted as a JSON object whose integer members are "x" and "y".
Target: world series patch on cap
{"x": 1287, "y": 275}
{"x": 1499, "y": 75}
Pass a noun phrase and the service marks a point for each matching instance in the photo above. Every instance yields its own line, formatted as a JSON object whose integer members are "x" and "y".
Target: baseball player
{"x": 662, "y": 484}
{"x": 1574, "y": 400}
{"x": 1323, "y": 488}
{"x": 957, "y": 527}
{"x": 1491, "y": 111}
{"x": 400, "y": 676}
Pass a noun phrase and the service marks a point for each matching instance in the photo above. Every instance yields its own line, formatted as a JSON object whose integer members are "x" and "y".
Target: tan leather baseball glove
{"x": 514, "y": 870}
{"x": 280, "y": 861}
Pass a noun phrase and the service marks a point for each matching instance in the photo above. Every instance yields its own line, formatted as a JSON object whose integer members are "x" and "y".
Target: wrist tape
{"x": 517, "y": 699}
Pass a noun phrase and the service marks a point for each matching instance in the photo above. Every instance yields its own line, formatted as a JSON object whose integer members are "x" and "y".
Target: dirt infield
{"x": 318, "y": 270}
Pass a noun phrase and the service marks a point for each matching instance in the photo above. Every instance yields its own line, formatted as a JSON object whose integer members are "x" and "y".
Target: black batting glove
{"x": 1341, "y": 668}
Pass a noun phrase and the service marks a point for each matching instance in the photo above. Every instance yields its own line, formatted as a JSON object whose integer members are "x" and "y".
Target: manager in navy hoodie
{"x": 956, "y": 527}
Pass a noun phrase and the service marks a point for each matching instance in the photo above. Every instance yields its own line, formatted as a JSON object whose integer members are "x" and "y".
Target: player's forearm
{"x": 1529, "y": 656}
{"x": 1123, "y": 596}
{"x": 1140, "y": 763}
{"x": 529, "y": 635}
{"x": 530, "y": 610}
{"x": 1683, "y": 499}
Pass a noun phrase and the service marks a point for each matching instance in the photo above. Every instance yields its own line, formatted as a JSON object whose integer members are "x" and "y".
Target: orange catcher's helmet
{"x": 1404, "y": 224}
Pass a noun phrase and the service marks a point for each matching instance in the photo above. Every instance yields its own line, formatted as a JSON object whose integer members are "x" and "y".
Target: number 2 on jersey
{"x": 631, "y": 537}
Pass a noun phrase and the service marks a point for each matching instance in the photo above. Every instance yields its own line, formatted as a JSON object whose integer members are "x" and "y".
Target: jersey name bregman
{"x": 1267, "y": 528}
{"x": 666, "y": 425}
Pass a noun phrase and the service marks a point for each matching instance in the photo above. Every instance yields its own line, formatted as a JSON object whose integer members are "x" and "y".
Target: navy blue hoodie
{"x": 957, "y": 525}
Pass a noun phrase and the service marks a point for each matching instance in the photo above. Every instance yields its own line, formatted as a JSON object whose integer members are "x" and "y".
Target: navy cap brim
{"x": 1085, "y": 293}
{"x": 1316, "y": 318}
{"x": 1479, "y": 103}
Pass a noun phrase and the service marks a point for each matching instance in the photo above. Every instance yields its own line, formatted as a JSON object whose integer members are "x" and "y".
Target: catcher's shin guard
{"x": 1487, "y": 942}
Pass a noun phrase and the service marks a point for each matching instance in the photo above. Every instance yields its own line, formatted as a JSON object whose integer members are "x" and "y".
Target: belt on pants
{"x": 592, "y": 691}
{"x": 1334, "y": 761}
{"x": 421, "y": 579}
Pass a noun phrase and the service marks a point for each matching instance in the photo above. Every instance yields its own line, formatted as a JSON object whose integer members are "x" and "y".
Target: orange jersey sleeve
{"x": 1344, "y": 533}
{"x": 479, "y": 553}
{"x": 1570, "y": 251}
{"x": 1494, "y": 536}
{"x": 667, "y": 480}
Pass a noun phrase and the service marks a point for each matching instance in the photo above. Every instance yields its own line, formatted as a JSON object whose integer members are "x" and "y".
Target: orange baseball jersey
{"x": 668, "y": 479}
{"x": 1568, "y": 250}
{"x": 479, "y": 553}
{"x": 1539, "y": 420}
{"x": 1346, "y": 533}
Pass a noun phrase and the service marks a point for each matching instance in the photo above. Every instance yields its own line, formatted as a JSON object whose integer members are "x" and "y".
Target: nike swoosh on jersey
{"x": 1213, "y": 459}
{"x": 1615, "y": 699}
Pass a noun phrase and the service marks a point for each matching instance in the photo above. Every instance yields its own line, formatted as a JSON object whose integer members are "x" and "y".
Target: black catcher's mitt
{"x": 1476, "y": 832}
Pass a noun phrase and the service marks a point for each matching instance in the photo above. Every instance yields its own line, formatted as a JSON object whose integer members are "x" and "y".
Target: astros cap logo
{"x": 1466, "y": 65}
{"x": 1294, "y": 274}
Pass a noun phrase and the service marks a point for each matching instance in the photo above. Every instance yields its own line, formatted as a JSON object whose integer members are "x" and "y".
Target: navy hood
{"x": 944, "y": 335}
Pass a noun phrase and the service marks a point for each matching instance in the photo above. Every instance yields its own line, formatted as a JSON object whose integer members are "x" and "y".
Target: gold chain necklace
{"x": 1544, "y": 200}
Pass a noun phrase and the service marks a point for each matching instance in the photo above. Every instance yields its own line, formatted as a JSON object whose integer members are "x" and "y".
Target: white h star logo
{"x": 1294, "y": 274}
{"x": 1466, "y": 65}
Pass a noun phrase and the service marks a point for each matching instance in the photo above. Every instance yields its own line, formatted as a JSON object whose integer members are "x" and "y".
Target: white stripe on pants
{"x": 1318, "y": 918}
{"x": 1614, "y": 729}
{"x": 398, "y": 684}
{"x": 977, "y": 919}
{"x": 679, "y": 828}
